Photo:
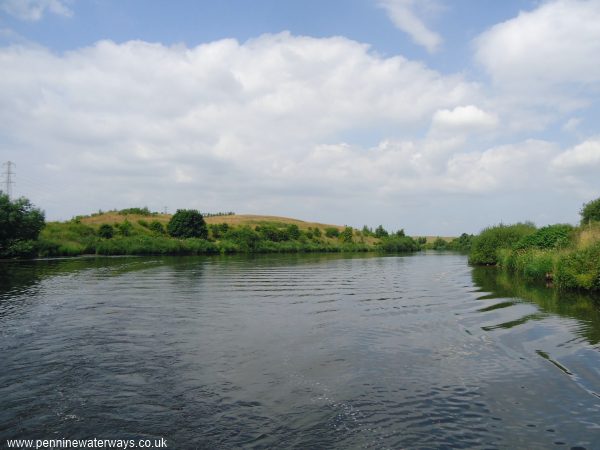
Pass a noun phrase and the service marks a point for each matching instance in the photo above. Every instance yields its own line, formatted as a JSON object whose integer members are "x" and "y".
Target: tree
{"x": 187, "y": 223}
{"x": 106, "y": 231}
{"x": 590, "y": 212}
{"x": 20, "y": 222}
{"x": 346, "y": 235}
{"x": 381, "y": 232}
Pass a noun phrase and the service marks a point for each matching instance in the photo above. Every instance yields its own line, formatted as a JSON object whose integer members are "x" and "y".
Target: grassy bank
{"x": 138, "y": 232}
{"x": 566, "y": 255}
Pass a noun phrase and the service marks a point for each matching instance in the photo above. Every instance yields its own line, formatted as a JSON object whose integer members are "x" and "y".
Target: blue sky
{"x": 435, "y": 116}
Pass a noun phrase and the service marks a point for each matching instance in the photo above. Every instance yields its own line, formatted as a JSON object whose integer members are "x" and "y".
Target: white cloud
{"x": 404, "y": 15}
{"x": 558, "y": 43}
{"x": 464, "y": 118}
{"x": 34, "y": 10}
{"x": 264, "y": 126}
{"x": 236, "y": 120}
{"x": 582, "y": 157}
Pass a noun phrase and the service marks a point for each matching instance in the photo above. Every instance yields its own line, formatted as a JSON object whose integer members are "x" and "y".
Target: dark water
{"x": 313, "y": 351}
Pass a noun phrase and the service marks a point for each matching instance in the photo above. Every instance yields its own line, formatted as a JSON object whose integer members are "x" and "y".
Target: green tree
{"x": 590, "y": 212}
{"x": 332, "y": 232}
{"x": 187, "y": 223}
{"x": 346, "y": 235}
{"x": 156, "y": 227}
{"x": 380, "y": 232}
{"x": 106, "y": 231}
{"x": 20, "y": 224}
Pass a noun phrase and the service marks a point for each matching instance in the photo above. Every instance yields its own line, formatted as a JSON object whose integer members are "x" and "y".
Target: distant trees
{"x": 20, "y": 226}
{"x": 590, "y": 212}
{"x": 106, "y": 231}
{"x": 187, "y": 223}
{"x": 381, "y": 232}
{"x": 346, "y": 235}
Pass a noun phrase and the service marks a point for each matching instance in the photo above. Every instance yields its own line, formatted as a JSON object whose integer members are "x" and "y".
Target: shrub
{"x": 124, "y": 228}
{"x": 590, "y": 212}
{"x": 245, "y": 238}
{"x": 462, "y": 243}
{"x": 218, "y": 230}
{"x": 293, "y": 231}
{"x": 332, "y": 232}
{"x": 485, "y": 246}
{"x": 398, "y": 244}
{"x": 380, "y": 232}
{"x": 143, "y": 223}
{"x": 187, "y": 223}
{"x": 156, "y": 227}
{"x": 106, "y": 231}
{"x": 579, "y": 268}
{"x": 551, "y": 236}
{"x": 346, "y": 235}
{"x": 20, "y": 223}
{"x": 439, "y": 244}
{"x": 139, "y": 211}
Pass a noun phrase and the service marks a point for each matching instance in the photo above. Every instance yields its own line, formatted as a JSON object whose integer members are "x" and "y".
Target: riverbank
{"x": 139, "y": 232}
{"x": 566, "y": 256}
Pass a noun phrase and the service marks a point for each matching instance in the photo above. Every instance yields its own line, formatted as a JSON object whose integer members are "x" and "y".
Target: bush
{"x": 398, "y": 244}
{"x": 124, "y": 228}
{"x": 590, "y": 212}
{"x": 139, "y": 211}
{"x": 187, "y": 223}
{"x": 551, "y": 236}
{"x": 332, "y": 232}
{"x": 245, "y": 238}
{"x": 462, "y": 243}
{"x": 380, "y": 232}
{"x": 485, "y": 246}
{"x": 20, "y": 223}
{"x": 218, "y": 230}
{"x": 156, "y": 227}
{"x": 439, "y": 244}
{"x": 579, "y": 268}
{"x": 346, "y": 235}
{"x": 106, "y": 231}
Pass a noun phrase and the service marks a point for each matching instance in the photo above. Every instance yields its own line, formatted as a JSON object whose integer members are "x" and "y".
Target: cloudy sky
{"x": 437, "y": 116}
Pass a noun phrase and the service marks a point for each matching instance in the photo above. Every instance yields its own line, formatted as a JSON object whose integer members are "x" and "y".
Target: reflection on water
{"x": 584, "y": 307}
{"x": 299, "y": 351}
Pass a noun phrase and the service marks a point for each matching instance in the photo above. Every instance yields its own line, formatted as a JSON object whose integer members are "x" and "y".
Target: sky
{"x": 435, "y": 116}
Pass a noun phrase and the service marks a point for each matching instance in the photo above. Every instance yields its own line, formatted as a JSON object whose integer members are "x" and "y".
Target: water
{"x": 316, "y": 351}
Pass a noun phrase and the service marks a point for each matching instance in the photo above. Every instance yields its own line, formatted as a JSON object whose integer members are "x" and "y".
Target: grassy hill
{"x": 138, "y": 231}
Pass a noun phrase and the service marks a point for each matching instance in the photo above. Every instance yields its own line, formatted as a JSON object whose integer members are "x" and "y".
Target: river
{"x": 296, "y": 351}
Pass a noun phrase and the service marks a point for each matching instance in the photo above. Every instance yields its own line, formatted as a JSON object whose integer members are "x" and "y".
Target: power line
{"x": 8, "y": 177}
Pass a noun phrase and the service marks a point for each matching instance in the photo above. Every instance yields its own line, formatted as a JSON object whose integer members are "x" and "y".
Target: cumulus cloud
{"x": 34, "y": 10}
{"x": 464, "y": 118}
{"x": 405, "y": 16}
{"x": 555, "y": 44}
{"x": 227, "y": 118}
{"x": 582, "y": 157}
{"x": 263, "y": 126}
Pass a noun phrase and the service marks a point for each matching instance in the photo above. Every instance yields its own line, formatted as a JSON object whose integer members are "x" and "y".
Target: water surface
{"x": 314, "y": 351}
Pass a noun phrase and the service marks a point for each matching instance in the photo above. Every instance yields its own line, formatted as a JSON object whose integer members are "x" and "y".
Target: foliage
{"x": 124, "y": 228}
{"x": 485, "y": 246}
{"x": 20, "y": 223}
{"x": 381, "y": 232}
{"x": 590, "y": 212}
{"x": 106, "y": 231}
{"x": 346, "y": 235}
{"x": 244, "y": 237}
{"x": 398, "y": 244}
{"x": 551, "y": 236}
{"x": 462, "y": 243}
{"x": 366, "y": 231}
{"x": 332, "y": 232}
{"x": 156, "y": 227}
{"x": 579, "y": 268}
{"x": 138, "y": 211}
{"x": 439, "y": 244}
{"x": 187, "y": 223}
